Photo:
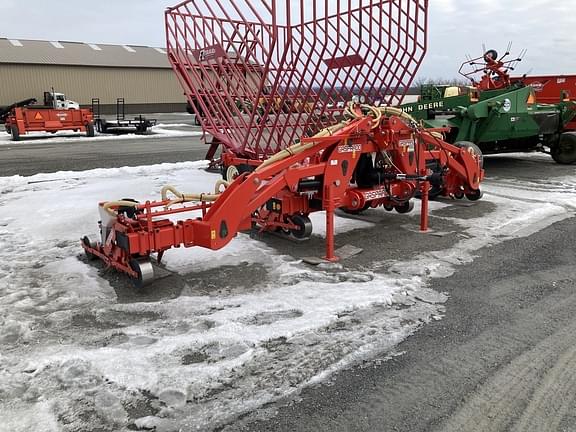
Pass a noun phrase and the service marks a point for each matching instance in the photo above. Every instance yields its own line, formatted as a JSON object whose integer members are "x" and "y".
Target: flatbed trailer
{"x": 23, "y": 120}
{"x": 121, "y": 125}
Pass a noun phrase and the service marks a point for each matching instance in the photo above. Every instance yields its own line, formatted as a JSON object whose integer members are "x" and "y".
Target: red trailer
{"x": 47, "y": 119}
{"x": 551, "y": 89}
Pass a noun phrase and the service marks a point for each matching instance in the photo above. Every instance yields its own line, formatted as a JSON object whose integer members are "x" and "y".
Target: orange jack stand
{"x": 330, "y": 255}
{"x": 425, "y": 189}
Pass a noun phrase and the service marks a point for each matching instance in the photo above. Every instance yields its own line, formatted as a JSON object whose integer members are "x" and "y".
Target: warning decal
{"x": 38, "y": 116}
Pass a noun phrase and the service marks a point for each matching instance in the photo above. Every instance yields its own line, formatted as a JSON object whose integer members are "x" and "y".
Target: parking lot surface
{"x": 418, "y": 332}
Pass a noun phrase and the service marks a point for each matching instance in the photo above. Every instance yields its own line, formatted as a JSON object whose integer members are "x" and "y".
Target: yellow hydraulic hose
{"x": 110, "y": 206}
{"x": 301, "y": 147}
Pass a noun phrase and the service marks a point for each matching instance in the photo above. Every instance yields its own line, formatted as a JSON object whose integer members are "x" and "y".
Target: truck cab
{"x": 59, "y": 101}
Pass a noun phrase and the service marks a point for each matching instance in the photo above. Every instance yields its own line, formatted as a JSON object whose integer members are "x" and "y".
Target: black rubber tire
{"x": 144, "y": 270}
{"x": 474, "y": 147}
{"x": 87, "y": 242}
{"x": 405, "y": 208}
{"x": 102, "y": 126}
{"x": 304, "y": 226}
{"x": 475, "y": 195}
{"x": 137, "y": 282}
{"x": 15, "y": 134}
{"x": 564, "y": 152}
{"x": 90, "y": 133}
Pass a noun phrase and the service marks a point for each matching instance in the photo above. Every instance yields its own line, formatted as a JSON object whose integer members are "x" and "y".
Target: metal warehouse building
{"x": 141, "y": 75}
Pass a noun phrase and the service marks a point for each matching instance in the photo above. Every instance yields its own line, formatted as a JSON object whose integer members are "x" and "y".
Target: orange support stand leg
{"x": 330, "y": 256}
{"x": 425, "y": 189}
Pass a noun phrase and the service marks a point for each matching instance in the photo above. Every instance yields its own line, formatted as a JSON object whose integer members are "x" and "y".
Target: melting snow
{"x": 73, "y": 356}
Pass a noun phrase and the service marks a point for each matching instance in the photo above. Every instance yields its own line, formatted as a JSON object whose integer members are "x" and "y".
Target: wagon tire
{"x": 564, "y": 152}
{"x": 15, "y": 133}
{"x": 90, "y": 130}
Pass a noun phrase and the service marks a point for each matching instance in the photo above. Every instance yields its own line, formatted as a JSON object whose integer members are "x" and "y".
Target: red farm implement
{"x": 277, "y": 97}
{"x": 22, "y": 120}
{"x": 552, "y": 89}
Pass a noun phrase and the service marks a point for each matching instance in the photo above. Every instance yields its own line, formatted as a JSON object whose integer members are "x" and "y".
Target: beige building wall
{"x": 139, "y": 86}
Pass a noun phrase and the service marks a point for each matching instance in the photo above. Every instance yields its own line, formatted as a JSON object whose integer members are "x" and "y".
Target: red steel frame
{"x": 261, "y": 74}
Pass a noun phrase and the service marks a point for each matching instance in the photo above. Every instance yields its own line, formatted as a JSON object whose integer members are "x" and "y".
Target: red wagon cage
{"x": 261, "y": 74}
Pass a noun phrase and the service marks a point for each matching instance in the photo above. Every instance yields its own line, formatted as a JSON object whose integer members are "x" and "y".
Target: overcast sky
{"x": 547, "y": 28}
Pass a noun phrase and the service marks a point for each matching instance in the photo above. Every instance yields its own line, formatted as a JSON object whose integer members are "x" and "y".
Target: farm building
{"x": 83, "y": 71}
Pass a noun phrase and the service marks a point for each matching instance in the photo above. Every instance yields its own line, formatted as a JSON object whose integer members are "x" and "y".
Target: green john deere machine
{"x": 496, "y": 115}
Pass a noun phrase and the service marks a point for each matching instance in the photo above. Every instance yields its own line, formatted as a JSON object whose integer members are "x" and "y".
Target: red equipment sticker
{"x": 38, "y": 116}
{"x": 209, "y": 53}
{"x": 344, "y": 62}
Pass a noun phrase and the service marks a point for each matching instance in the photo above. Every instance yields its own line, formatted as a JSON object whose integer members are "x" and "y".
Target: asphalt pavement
{"x": 501, "y": 359}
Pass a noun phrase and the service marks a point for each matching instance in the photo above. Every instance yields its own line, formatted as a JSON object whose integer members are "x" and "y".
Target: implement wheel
{"x": 15, "y": 133}
{"x": 230, "y": 173}
{"x": 145, "y": 271}
{"x": 91, "y": 244}
{"x": 564, "y": 152}
{"x": 475, "y": 195}
{"x": 304, "y": 225}
{"x": 90, "y": 130}
{"x": 405, "y": 208}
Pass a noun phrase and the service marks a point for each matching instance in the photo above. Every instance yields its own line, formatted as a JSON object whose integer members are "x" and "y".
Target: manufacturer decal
{"x": 209, "y": 53}
{"x": 423, "y": 107}
{"x": 375, "y": 194}
{"x": 507, "y": 105}
{"x": 350, "y": 148}
{"x": 539, "y": 86}
{"x": 407, "y": 143}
